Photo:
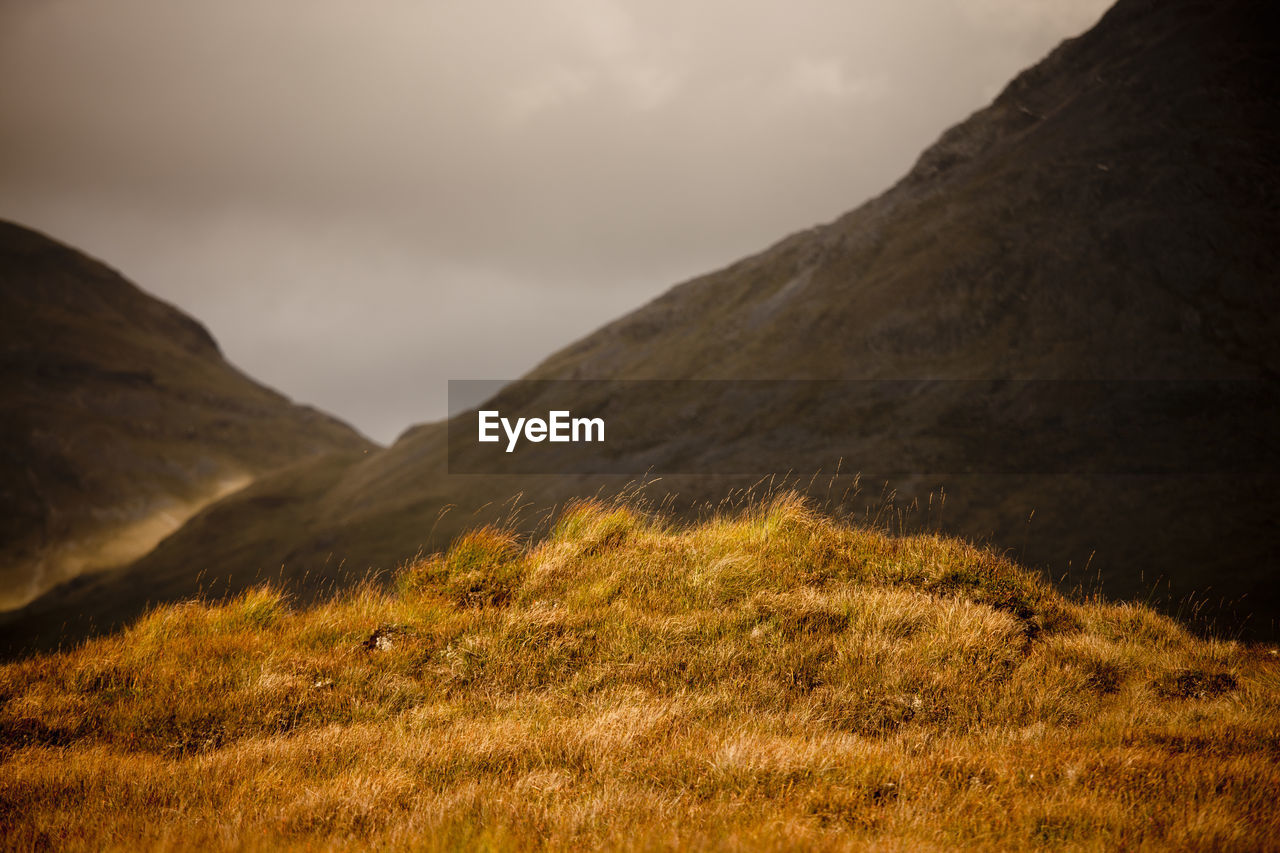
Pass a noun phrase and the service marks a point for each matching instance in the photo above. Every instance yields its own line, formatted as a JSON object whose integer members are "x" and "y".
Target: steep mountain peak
{"x": 120, "y": 418}
{"x": 1106, "y": 216}
{"x": 43, "y": 275}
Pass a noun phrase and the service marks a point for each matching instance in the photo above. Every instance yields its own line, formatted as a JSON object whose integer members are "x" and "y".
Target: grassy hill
{"x": 768, "y": 677}
{"x": 119, "y": 418}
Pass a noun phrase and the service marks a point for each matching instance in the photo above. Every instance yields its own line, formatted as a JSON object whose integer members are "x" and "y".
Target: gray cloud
{"x": 363, "y": 200}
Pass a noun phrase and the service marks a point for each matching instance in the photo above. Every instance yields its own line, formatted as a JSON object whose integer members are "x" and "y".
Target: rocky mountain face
{"x": 119, "y": 419}
{"x": 1111, "y": 216}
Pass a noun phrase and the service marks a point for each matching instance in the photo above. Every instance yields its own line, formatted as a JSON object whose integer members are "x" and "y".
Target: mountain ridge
{"x": 1036, "y": 96}
{"x": 121, "y": 417}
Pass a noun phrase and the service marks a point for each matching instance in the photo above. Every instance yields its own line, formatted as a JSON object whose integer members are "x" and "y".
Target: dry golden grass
{"x": 773, "y": 680}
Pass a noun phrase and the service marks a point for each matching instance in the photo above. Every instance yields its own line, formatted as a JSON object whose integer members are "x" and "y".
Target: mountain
{"x": 119, "y": 418}
{"x": 1110, "y": 217}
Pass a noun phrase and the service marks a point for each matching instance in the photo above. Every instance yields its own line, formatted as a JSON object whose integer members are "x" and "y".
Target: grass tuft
{"x": 482, "y": 568}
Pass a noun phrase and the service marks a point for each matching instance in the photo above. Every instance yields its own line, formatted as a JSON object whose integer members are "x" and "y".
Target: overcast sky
{"x": 362, "y": 200}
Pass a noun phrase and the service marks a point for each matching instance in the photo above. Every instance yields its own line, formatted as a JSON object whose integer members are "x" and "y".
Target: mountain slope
{"x": 1110, "y": 216}
{"x": 119, "y": 418}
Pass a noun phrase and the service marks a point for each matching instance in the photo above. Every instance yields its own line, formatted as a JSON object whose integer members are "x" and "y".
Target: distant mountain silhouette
{"x": 119, "y": 417}
{"x": 1111, "y": 216}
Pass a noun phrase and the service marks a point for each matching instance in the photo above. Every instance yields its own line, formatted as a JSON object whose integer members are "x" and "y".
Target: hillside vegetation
{"x": 767, "y": 678}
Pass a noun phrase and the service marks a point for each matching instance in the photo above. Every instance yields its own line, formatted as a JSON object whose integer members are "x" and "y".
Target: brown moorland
{"x": 768, "y": 677}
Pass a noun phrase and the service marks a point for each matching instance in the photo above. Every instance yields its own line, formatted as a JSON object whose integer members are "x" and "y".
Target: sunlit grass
{"x": 768, "y": 678}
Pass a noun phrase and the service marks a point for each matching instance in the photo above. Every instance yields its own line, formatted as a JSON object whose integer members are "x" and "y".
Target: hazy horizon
{"x": 360, "y": 207}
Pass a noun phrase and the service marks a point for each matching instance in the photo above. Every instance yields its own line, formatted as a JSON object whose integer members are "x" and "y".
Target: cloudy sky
{"x": 362, "y": 200}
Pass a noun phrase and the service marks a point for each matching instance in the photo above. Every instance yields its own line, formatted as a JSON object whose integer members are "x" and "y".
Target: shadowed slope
{"x": 119, "y": 418}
